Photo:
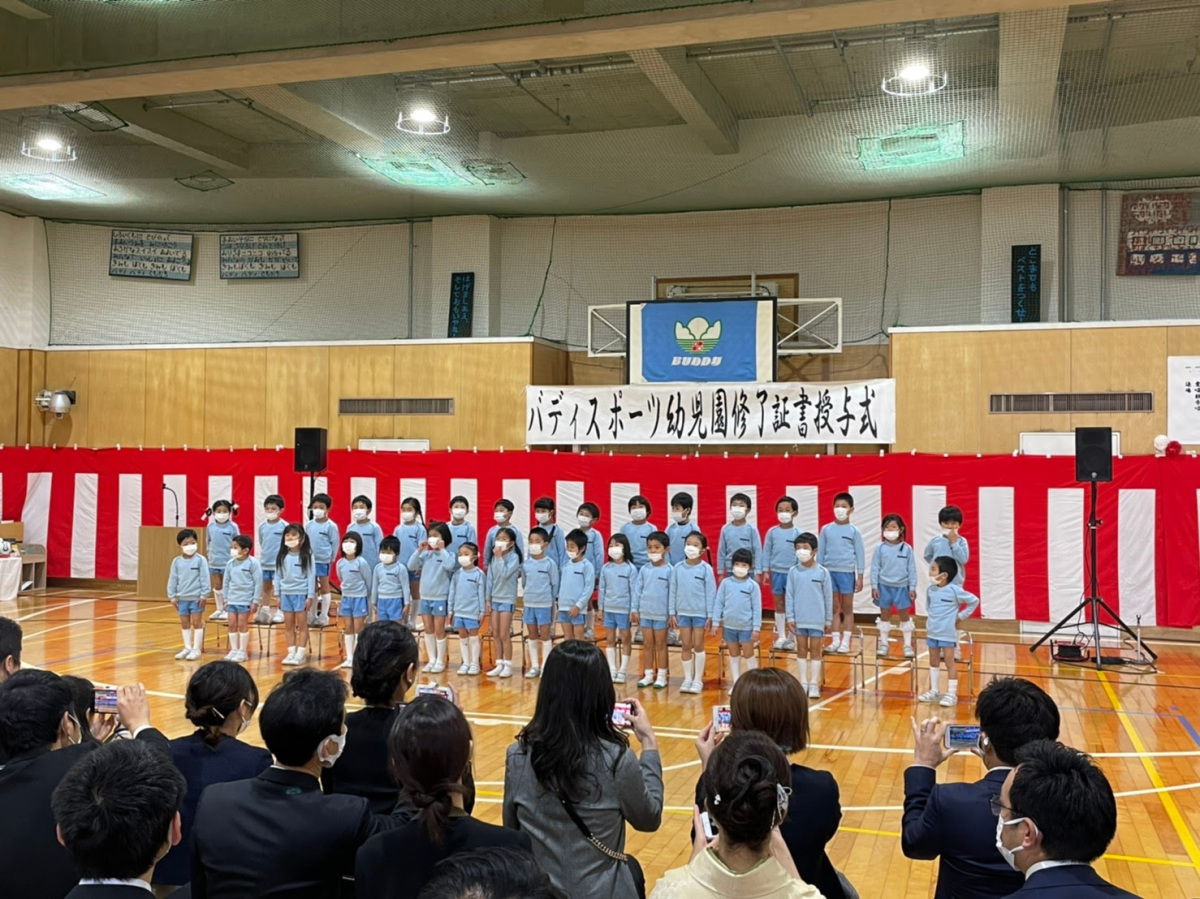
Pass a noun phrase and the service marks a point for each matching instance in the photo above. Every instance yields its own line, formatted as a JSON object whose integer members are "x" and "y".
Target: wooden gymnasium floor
{"x": 1139, "y": 727}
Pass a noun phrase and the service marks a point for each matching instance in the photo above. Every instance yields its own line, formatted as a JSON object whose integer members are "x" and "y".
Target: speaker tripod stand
{"x": 1093, "y": 602}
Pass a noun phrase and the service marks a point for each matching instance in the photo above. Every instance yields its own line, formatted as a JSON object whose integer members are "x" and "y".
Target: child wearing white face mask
{"x": 461, "y": 530}
{"x": 436, "y": 564}
{"x": 544, "y": 512}
{"x": 369, "y": 531}
{"x": 323, "y": 538}
{"x": 243, "y": 594}
{"x": 503, "y": 577}
{"x": 542, "y": 576}
{"x": 681, "y": 525}
{"x": 894, "y": 584}
{"x": 188, "y": 584}
{"x": 739, "y": 534}
{"x": 638, "y": 529}
{"x": 389, "y": 582}
{"x": 467, "y": 604}
{"x": 297, "y": 580}
{"x": 808, "y": 610}
{"x": 410, "y": 532}
{"x": 502, "y": 512}
{"x": 219, "y": 536}
{"x": 576, "y": 582}
{"x": 779, "y": 557}
{"x": 270, "y": 538}
{"x": 356, "y": 580}
{"x": 738, "y": 610}
{"x": 652, "y": 611}
{"x": 950, "y": 543}
{"x": 693, "y": 595}
{"x": 586, "y": 516}
{"x": 843, "y": 555}
{"x": 620, "y": 589}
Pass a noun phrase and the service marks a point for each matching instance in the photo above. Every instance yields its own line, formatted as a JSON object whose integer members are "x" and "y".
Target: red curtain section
{"x": 1174, "y": 570}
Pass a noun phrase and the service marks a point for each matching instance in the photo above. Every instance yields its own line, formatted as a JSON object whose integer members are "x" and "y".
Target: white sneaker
{"x": 506, "y": 671}
{"x": 589, "y": 634}
{"x": 673, "y": 638}
{"x": 218, "y": 615}
{"x": 495, "y": 672}
{"x": 645, "y": 681}
{"x": 844, "y": 646}
{"x": 311, "y": 618}
{"x": 290, "y": 658}
{"x": 182, "y": 654}
{"x": 348, "y": 663}
{"x": 464, "y": 668}
{"x": 428, "y": 668}
{"x": 302, "y": 656}
{"x": 438, "y": 668}
{"x": 473, "y": 671}
{"x": 929, "y": 696}
{"x": 948, "y": 700}
{"x": 909, "y": 652}
{"x": 778, "y": 644}
{"x": 263, "y": 617}
{"x": 814, "y": 691}
{"x": 322, "y": 620}
{"x": 619, "y": 677}
{"x": 231, "y": 656}
{"x": 685, "y": 687}
{"x": 881, "y": 647}
{"x": 420, "y": 626}
{"x": 243, "y": 656}
{"x": 277, "y": 618}
{"x": 660, "y": 684}
{"x": 637, "y": 637}
{"x": 534, "y": 672}
{"x": 958, "y": 654}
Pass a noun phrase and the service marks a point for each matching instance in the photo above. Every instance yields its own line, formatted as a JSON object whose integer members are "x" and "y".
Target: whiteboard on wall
{"x": 1183, "y": 398}
{"x": 1057, "y": 443}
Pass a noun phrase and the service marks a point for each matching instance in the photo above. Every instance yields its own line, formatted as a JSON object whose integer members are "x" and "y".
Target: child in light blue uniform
{"x": 949, "y": 543}
{"x": 467, "y": 604}
{"x": 411, "y": 532}
{"x": 219, "y": 536}
{"x": 544, "y": 512}
{"x": 369, "y": 531}
{"x": 779, "y": 557}
{"x": 576, "y": 580}
{"x": 503, "y": 578}
{"x": 587, "y": 516}
{"x": 808, "y": 604}
{"x": 652, "y": 610}
{"x": 296, "y": 577}
{"x": 436, "y": 564}
{"x": 637, "y": 530}
{"x": 187, "y": 585}
{"x": 946, "y": 605}
{"x": 738, "y": 534}
{"x": 619, "y": 588}
{"x": 842, "y": 554}
{"x": 270, "y": 538}
{"x": 738, "y": 610}
{"x": 680, "y": 526}
{"x": 693, "y": 597}
{"x": 356, "y": 579}
{"x": 243, "y": 593}
{"x": 894, "y": 584}
{"x": 541, "y": 588}
{"x": 461, "y": 530}
{"x": 389, "y": 582}
{"x": 323, "y": 537}
{"x": 503, "y": 513}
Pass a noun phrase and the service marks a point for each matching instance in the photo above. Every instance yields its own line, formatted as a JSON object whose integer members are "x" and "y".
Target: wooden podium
{"x": 157, "y": 549}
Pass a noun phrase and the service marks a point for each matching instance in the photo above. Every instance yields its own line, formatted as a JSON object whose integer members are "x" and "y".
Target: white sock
{"x": 547, "y": 645}
{"x": 476, "y": 650}
{"x": 935, "y": 675}
{"x": 292, "y": 650}
{"x": 689, "y": 666}
{"x": 815, "y": 666}
{"x": 735, "y": 667}
{"x": 349, "y": 640}
{"x": 430, "y": 647}
{"x": 198, "y": 638}
{"x": 531, "y": 646}
{"x": 187, "y": 638}
{"x": 441, "y": 651}
{"x": 219, "y": 596}
{"x": 837, "y": 638}
{"x": 625, "y": 662}
{"x": 323, "y": 603}
{"x": 648, "y": 674}
{"x": 589, "y": 618}
{"x": 662, "y": 675}
{"x": 611, "y": 654}
{"x": 952, "y": 686}
{"x": 464, "y": 649}
{"x": 751, "y": 663}
{"x": 802, "y": 665}
{"x": 906, "y": 631}
{"x": 699, "y": 676}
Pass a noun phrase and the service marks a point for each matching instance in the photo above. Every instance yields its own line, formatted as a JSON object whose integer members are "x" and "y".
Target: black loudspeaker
{"x": 310, "y": 449}
{"x": 1093, "y": 454}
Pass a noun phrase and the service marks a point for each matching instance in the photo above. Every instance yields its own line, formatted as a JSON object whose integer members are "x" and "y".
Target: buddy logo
{"x": 697, "y": 338}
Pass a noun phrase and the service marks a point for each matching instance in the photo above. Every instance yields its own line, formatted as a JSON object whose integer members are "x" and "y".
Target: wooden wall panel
{"x": 366, "y": 372}
{"x": 8, "y": 408}
{"x": 31, "y": 372}
{"x": 175, "y": 397}
{"x": 117, "y": 385}
{"x": 430, "y": 370}
{"x": 1001, "y": 371}
{"x": 67, "y": 371}
{"x": 938, "y": 391}
{"x": 235, "y": 397}
{"x": 1104, "y": 359}
{"x": 297, "y": 391}
{"x": 550, "y": 365}
{"x": 491, "y": 394}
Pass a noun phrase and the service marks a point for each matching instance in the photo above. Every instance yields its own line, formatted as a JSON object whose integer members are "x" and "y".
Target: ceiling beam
{"x": 578, "y": 37}
{"x": 695, "y": 98}
{"x": 1031, "y": 46}
{"x": 314, "y": 118}
{"x": 24, "y": 10}
{"x": 182, "y": 135}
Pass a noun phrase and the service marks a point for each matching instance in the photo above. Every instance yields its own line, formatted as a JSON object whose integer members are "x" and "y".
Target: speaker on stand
{"x": 311, "y": 454}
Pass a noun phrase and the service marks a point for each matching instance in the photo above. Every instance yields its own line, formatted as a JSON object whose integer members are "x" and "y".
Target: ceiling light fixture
{"x": 47, "y": 187}
{"x": 914, "y": 80}
{"x": 415, "y": 171}
{"x": 423, "y": 110}
{"x": 47, "y": 139}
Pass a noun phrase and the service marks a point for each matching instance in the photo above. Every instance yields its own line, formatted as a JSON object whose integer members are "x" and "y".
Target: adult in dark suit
{"x": 1056, "y": 815}
{"x": 430, "y": 748}
{"x": 278, "y": 834}
{"x": 953, "y": 822}
{"x": 118, "y": 814}
{"x": 44, "y": 740}
{"x": 221, "y": 699}
{"x": 10, "y": 657}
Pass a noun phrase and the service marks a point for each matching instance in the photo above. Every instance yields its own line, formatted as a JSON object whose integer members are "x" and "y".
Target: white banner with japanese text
{"x": 781, "y": 412}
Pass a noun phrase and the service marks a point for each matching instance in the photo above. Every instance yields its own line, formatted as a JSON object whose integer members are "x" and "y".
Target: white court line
{"x": 1151, "y": 790}
{"x": 902, "y": 666}
{"x": 49, "y": 609}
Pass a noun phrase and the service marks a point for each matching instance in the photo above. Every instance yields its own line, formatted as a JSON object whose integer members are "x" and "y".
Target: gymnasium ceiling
{"x": 617, "y": 123}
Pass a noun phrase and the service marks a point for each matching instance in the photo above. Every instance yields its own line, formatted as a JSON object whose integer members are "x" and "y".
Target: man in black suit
{"x": 954, "y": 821}
{"x": 10, "y": 657}
{"x": 1056, "y": 815}
{"x": 118, "y": 815}
{"x": 277, "y": 833}
{"x": 44, "y": 740}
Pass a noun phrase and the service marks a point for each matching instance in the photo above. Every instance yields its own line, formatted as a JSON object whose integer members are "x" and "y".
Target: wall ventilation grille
{"x": 396, "y": 406}
{"x": 1071, "y": 402}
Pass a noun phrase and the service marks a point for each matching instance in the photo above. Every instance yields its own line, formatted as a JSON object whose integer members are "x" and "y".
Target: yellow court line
{"x": 1168, "y": 801}
{"x": 1146, "y": 861}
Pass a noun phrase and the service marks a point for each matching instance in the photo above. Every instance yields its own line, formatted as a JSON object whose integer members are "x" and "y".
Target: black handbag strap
{"x": 587, "y": 834}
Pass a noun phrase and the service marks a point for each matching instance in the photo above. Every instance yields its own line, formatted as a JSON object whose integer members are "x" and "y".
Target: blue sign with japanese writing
{"x": 1026, "y": 283}
{"x": 700, "y": 340}
{"x": 462, "y": 304}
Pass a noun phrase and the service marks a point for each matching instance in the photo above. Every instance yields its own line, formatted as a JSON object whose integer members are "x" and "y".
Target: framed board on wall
{"x": 150, "y": 254}
{"x": 260, "y": 256}
{"x": 1026, "y": 281}
{"x": 462, "y": 304}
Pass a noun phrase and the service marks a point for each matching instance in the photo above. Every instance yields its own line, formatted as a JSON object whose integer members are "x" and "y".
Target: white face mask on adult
{"x": 1009, "y": 854}
{"x": 329, "y": 759}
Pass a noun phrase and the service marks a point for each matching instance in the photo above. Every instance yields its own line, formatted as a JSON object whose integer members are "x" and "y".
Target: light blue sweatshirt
{"x": 541, "y": 578}
{"x": 678, "y": 534}
{"x": 270, "y": 538}
{"x": 945, "y": 607}
{"x": 738, "y": 605}
{"x": 894, "y": 565}
{"x": 556, "y": 546}
{"x": 808, "y": 602}
{"x": 695, "y": 590}
{"x": 577, "y": 581}
{"x": 371, "y": 534}
{"x": 436, "y": 567}
{"x": 841, "y": 548}
{"x": 220, "y": 541}
{"x": 595, "y": 551}
{"x": 619, "y": 587}
{"x": 463, "y": 532}
{"x": 243, "y": 582}
{"x": 738, "y": 536}
{"x": 490, "y": 543}
{"x": 655, "y": 599}
{"x": 189, "y": 578}
{"x": 637, "y": 534}
{"x": 503, "y": 575}
{"x": 291, "y": 580}
{"x": 324, "y": 538}
{"x": 410, "y": 537}
{"x": 390, "y": 582}
{"x": 467, "y": 593}
{"x": 959, "y": 551}
{"x": 779, "y": 549}
{"x": 354, "y": 576}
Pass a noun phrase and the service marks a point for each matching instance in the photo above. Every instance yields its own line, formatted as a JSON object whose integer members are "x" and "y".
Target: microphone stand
{"x": 174, "y": 496}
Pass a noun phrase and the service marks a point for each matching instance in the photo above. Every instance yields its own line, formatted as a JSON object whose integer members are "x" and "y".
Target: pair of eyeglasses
{"x": 995, "y": 804}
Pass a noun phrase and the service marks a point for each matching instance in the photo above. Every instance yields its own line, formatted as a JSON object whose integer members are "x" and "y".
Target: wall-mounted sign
{"x": 150, "y": 254}
{"x": 260, "y": 256}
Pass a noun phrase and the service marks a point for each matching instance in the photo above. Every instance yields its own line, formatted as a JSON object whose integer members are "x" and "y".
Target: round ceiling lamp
{"x": 47, "y": 139}
{"x": 423, "y": 111}
{"x": 915, "y": 80}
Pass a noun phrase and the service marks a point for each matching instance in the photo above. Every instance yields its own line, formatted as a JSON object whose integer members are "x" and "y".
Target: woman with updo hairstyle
{"x": 746, "y": 797}
{"x": 221, "y": 699}
{"x": 429, "y": 749}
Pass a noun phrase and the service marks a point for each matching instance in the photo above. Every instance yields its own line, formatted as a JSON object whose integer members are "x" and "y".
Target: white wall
{"x": 24, "y": 283}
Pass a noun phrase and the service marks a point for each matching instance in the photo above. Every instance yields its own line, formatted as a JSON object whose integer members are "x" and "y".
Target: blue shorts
{"x": 239, "y": 608}
{"x": 692, "y": 621}
{"x": 212, "y": 570}
{"x": 565, "y": 617}
{"x": 414, "y": 577}
{"x": 735, "y": 636}
{"x": 354, "y": 607}
{"x": 779, "y": 582}
{"x": 434, "y": 607}
{"x": 616, "y": 621}
{"x": 809, "y": 632}
{"x": 939, "y": 644}
{"x": 190, "y": 607}
{"x": 538, "y": 615}
{"x": 391, "y": 609}
{"x": 654, "y": 624}
{"x": 268, "y": 575}
{"x": 292, "y": 602}
{"x": 468, "y": 624}
{"x": 503, "y": 607}
{"x": 322, "y": 569}
{"x": 893, "y": 598}
{"x": 843, "y": 581}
